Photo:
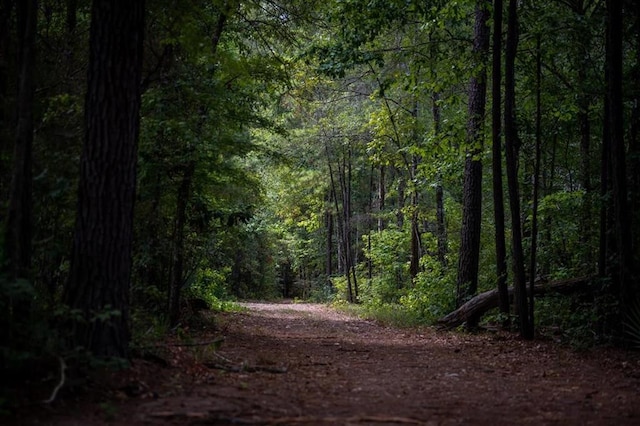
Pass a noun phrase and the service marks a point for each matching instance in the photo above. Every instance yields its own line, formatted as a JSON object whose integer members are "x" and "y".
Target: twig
{"x": 246, "y": 368}
{"x": 63, "y": 367}
{"x": 168, "y": 345}
{"x": 225, "y": 359}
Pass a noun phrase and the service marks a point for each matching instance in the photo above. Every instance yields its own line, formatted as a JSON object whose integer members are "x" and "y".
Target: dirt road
{"x": 304, "y": 364}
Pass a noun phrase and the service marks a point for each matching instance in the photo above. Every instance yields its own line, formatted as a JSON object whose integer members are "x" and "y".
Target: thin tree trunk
{"x": 381, "y": 198}
{"x": 414, "y": 262}
{"x": 348, "y": 215}
{"x": 467, "y": 282}
{"x": 536, "y": 180}
{"x": 100, "y": 270}
{"x": 6, "y": 8}
{"x": 72, "y": 19}
{"x": 584, "y": 123}
{"x": 342, "y": 244}
{"x": 441, "y": 228}
{"x": 329, "y": 243}
{"x": 370, "y": 224}
{"x": 177, "y": 259}
{"x": 548, "y": 185}
{"x": 18, "y": 227}
{"x": 498, "y": 195}
{"x": 512, "y": 145}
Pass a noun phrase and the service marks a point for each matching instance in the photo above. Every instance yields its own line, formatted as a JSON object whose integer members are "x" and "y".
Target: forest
{"x": 456, "y": 163}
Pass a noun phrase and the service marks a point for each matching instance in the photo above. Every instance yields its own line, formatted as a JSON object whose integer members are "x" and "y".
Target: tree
{"x": 19, "y": 223}
{"x": 623, "y": 269}
{"x": 99, "y": 281}
{"x": 472, "y": 190}
{"x": 498, "y": 196}
{"x": 512, "y": 145}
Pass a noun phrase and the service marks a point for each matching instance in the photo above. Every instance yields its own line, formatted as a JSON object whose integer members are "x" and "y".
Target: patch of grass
{"x": 394, "y": 315}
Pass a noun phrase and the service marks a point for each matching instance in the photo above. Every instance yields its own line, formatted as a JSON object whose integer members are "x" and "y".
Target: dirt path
{"x": 290, "y": 364}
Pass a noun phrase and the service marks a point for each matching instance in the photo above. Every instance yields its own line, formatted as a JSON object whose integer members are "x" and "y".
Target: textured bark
{"x": 100, "y": 270}
{"x": 498, "y": 195}
{"x": 512, "y": 146}
{"x": 467, "y": 283}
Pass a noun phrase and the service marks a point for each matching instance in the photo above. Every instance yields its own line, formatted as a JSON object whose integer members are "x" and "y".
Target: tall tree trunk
{"x": 414, "y": 263}
{"x": 498, "y": 195}
{"x": 441, "y": 228}
{"x": 512, "y": 146}
{"x": 381, "y": 198}
{"x": 634, "y": 130}
{"x": 416, "y": 251}
{"x": 624, "y": 272}
{"x": 604, "y": 249}
{"x": 19, "y": 222}
{"x": 348, "y": 215}
{"x": 329, "y": 242}
{"x": 6, "y": 8}
{"x": 536, "y": 180}
{"x": 343, "y": 248}
{"x": 467, "y": 282}
{"x": 583, "y": 40}
{"x": 100, "y": 270}
{"x": 72, "y": 19}
{"x": 177, "y": 259}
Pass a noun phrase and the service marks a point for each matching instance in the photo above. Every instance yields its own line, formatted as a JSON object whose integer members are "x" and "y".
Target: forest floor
{"x": 307, "y": 364}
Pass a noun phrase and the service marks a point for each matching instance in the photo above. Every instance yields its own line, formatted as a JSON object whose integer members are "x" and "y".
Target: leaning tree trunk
{"x": 467, "y": 283}
{"x": 99, "y": 278}
{"x": 484, "y": 302}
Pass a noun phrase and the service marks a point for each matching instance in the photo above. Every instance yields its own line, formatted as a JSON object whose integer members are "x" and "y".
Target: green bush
{"x": 434, "y": 292}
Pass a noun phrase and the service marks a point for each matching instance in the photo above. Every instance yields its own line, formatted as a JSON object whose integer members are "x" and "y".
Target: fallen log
{"x": 484, "y": 302}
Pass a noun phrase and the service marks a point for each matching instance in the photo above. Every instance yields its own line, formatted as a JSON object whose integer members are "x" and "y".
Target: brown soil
{"x": 306, "y": 364}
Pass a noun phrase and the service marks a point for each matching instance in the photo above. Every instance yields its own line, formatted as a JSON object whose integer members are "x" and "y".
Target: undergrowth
{"x": 395, "y": 315}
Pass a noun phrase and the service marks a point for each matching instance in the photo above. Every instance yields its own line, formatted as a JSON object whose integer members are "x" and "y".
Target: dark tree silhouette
{"x": 100, "y": 272}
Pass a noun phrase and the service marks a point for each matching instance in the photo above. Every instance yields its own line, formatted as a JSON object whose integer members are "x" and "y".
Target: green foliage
{"x": 561, "y": 246}
{"x": 211, "y": 286}
{"x": 570, "y": 320}
{"x": 389, "y": 254}
{"x": 434, "y": 292}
